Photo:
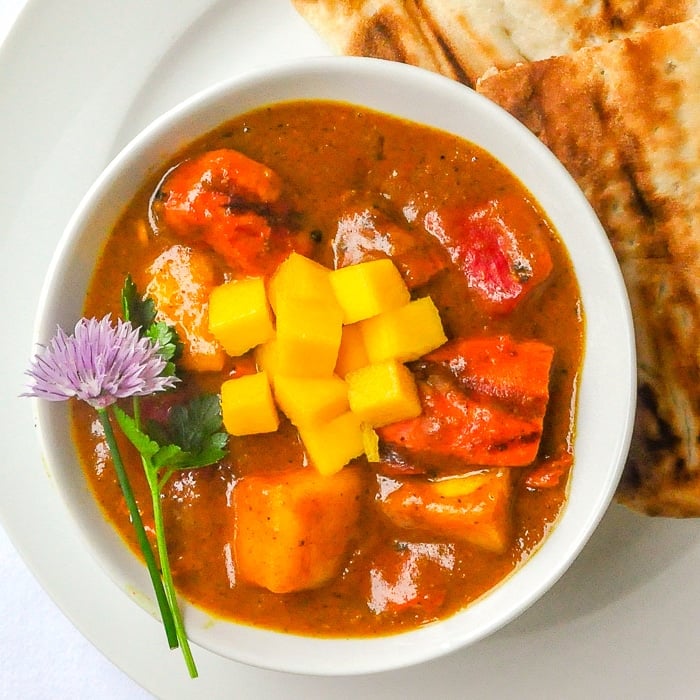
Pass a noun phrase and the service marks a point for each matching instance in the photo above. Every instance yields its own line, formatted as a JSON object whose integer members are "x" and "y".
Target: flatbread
{"x": 624, "y": 118}
{"x": 463, "y": 39}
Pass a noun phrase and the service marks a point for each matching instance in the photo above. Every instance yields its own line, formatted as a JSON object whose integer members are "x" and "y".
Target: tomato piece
{"x": 248, "y": 243}
{"x": 500, "y": 247}
{"x": 243, "y": 366}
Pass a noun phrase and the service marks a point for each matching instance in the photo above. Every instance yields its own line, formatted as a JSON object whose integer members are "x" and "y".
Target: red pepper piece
{"x": 500, "y": 247}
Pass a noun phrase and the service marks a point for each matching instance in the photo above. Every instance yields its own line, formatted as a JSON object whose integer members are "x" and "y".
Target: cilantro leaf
{"x": 191, "y": 438}
{"x": 141, "y": 312}
{"x": 146, "y": 446}
{"x": 192, "y": 425}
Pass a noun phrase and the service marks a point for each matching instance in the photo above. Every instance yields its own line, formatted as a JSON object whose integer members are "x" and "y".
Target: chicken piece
{"x": 484, "y": 401}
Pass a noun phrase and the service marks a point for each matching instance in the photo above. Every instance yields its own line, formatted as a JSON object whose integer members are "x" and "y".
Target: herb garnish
{"x": 102, "y": 363}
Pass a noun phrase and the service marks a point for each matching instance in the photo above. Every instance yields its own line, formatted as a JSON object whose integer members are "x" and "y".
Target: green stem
{"x": 162, "y": 547}
{"x": 155, "y": 487}
{"x": 144, "y": 544}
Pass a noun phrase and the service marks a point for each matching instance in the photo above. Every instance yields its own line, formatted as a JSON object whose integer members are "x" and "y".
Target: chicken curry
{"x": 395, "y": 333}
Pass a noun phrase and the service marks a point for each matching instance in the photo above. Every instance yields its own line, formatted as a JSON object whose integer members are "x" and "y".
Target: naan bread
{"x": 462, "y": 39}
{"x": 624, "y": 118}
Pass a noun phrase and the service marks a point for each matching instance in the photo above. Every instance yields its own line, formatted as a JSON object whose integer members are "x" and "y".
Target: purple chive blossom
{"x": 98, "y": 364}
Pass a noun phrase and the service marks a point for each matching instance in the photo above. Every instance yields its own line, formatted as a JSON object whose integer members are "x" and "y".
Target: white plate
{"x": 77, "y": 80}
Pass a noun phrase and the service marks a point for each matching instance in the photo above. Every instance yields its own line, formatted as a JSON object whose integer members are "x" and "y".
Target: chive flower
{"x": 99, "y": 364}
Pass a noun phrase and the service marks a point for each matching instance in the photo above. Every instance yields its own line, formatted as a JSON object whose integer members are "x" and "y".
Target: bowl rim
{"x": 609, "y": 338}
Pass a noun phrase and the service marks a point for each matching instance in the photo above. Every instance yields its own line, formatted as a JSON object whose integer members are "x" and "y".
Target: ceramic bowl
{"x": 607, "y": 388}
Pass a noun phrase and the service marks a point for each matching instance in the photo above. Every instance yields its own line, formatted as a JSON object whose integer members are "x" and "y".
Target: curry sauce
{"x": 355, "y": 185}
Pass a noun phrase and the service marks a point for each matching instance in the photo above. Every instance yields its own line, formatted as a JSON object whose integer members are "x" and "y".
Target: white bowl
{"x": 607, "y": 391}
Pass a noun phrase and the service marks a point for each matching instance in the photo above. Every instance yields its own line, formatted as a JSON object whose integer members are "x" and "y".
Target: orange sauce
{"x": 336, "y": 161}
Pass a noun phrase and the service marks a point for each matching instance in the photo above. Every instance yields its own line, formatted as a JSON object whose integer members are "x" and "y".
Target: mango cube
{"x": 292, "y": 530}
{"x": 308, "y": 337}
{"x": 307, "y": 400}
{"x": 405, "y": 333}
{"x": 265, "y": 356}
{"x": 351, "y": 353}
{"x": 300, "y": 277}
{"x": 368, "y": 289}
{"x": 247, "y": 405}
{"x": 239, "y": 315}
{"x": 473, "y": 507}
{"x": 383, "y": 393}
{"x": 331, "y": 445}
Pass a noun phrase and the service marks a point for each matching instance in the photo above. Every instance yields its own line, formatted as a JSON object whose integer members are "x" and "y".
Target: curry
{"x": 456, "y": 489}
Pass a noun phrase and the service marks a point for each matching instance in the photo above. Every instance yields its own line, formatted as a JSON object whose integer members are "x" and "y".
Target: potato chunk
{"x": 292, "y": 530}
{"x": 368, "y": 289}
{"x": 181, "y": 280}
{"x": 247, "y": 405}
{"x": 475, "y": 507}
{"x": 383, "y": 393}
{"x": 405, "y": 333}
{"x": 239, "y": 315}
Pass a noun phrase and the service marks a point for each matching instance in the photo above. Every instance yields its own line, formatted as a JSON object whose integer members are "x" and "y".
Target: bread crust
{"x": 465, "y": 38}
{"x": 624, "y": 120}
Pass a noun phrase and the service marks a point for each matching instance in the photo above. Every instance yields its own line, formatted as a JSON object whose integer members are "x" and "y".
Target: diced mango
{"x": 351, "y": 353}
{"x": 265, "y": 356}
{"x": 300, "y": 277}
{"x": 181, "y": 280}
{"x": 368, "y": 289}
{"x": 330, "y": 446}
{"x": 239, "y": 315}
{"x": 247, "y": 405}
{"x": 383, "y": 393}
{"x": 475, "y": 507}
{"x": 405, "y": 333}
{"x": 311, "y": 400}
{"x": 308, "y": 337}
{"x": 292, "y": 530}
{"x": 370, "y": 440}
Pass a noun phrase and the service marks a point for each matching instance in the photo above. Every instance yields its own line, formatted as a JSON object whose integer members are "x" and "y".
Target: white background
{"x": 41, "y": 654}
